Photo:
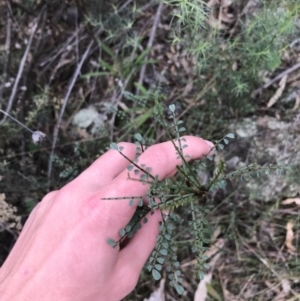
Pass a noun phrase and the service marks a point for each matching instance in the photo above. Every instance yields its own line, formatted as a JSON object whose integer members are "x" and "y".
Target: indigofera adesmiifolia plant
{"x": 185, "y": 189}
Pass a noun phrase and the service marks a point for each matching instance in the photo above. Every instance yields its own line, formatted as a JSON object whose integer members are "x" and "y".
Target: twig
{"x": 44, "y": 13}
{"x": 117, "y": 100}
{"x": 206, "y": 88}
{"x": 7, "y": 50}
{"x": 62, "y": 111}
{"x": 20, "y": 71}
{"x": 278, "y": 77}
{"x": 124, "y": 5}
{"x": 147, "y": 6}
{"x": 56, "y": 53}
{"x": 17, "y": 26}
{"x": 26, "y": 10}
{"x": 151, "y": 39}
{"x": 266, "y": 263}
{"x": 77, "y": 37}
{"x": 17, "y": 121}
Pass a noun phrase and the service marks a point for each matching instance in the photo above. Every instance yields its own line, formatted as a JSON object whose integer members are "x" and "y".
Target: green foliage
{"x": 186, "y": 190}
{"x": 254, "y": 44}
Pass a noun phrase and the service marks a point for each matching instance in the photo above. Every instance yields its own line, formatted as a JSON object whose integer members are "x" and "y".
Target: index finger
{"x": 162, "y": 158}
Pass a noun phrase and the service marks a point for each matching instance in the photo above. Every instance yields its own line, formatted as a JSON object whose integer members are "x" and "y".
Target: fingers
{"x": 162, "y": 158}
{"x": 105, "y": 169}
{"x": 134, "y": 256}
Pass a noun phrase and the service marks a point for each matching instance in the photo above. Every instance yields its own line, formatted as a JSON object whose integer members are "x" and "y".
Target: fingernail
{"x": 210, "y": 144}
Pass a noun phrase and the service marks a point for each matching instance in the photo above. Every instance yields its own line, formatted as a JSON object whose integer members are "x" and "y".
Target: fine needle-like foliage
{"x": 185, "y": 190}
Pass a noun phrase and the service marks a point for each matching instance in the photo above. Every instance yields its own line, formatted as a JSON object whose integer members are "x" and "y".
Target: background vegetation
{"x": 87, "y": 73}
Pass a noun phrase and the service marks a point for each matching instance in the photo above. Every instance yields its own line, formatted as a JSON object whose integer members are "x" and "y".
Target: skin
{"x": 62, "y": 252}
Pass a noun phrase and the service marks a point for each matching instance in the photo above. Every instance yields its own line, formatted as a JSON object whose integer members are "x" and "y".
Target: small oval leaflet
{"x": 179, "y": 289}
{"x": 165, "y": 245}
{"x": 128, "y": 228}
{"x": 156, "y": 274}
{"x": 138, "y": 137}
{"x": 226, "y": 141}
{"x": 201, "y": 275}
{"x": 114, "y": 146}
{"x": 160, "y": 260}
{"x": 176, "y": 264}
{"x": 122, "y": 232}
{"x": 111, "y": 242}
{"x": 172, "y": 108}
{"x": 230, "y": 135}
{"x": 163, "y": 252}
{"x": 130, "y": 167}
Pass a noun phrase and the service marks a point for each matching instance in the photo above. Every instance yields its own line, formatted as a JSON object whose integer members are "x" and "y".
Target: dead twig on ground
{"x": 16, "y": 24}
{"x": 116, "y": 101}
{"x": 20, "y": 72}
{"x": 41, "y": 31}
{"x": 55, "y": 53}
{"x": 7, "y": 51}
{"x": 124, "y": 5}
{"x": 150, "y": 41}
{"x": 196, "y": 103}
{"x": 278, "y": 77}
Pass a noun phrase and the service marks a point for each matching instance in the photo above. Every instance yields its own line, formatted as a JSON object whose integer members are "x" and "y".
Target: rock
{"x": 270, "y": 141}
{"x": 89, "y": 118}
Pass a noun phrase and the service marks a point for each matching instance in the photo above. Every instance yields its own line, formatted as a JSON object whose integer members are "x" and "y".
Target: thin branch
{"x": 62, "y": 111}
{"x": 17, "y": 121}
{"x": 117, "y": 101}
{"x": 151, "y": 39}
{"x": 17, "y": 26}
{"x": 44, "y": 13}
{"x": 20, "y": 72}
{"x": 277, "y": 78}
{"x": 77, "y": 37}
{"x": 22, "y": 7}
{"x": 7, "y": 50}
{"x": 124, "y": 5}
{"x": 55, "y": 53}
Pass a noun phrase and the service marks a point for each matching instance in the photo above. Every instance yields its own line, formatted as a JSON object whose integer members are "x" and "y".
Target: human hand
{"x": 62, "y": 253}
